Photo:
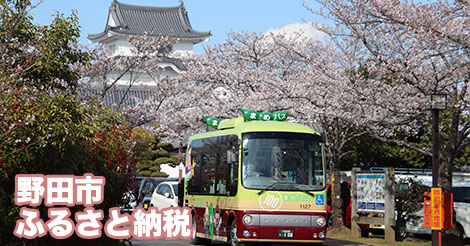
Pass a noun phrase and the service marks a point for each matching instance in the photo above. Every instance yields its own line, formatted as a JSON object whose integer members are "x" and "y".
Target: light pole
{"x": 438, "y": 102}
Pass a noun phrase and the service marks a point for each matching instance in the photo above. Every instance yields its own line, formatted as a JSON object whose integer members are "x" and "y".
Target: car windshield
{"x": 461, "y": 194}
{"x": 283, "y": 161}
{"x": 136, "y": 185}
{"x": 175, "y": 188}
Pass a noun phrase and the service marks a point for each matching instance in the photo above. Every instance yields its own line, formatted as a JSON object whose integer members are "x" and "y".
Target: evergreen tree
{"x": 151, "y": 152}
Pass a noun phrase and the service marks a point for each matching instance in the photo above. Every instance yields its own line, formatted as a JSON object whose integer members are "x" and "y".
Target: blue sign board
{"x": 371, "y": 193}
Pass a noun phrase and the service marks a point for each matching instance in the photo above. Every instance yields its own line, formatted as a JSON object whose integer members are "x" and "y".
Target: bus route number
{"x": 270, "y": 201}
{"x": 305, "y": 206}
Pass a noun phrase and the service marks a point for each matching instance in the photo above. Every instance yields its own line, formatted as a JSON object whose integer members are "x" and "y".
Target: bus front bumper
{"x": 281, "y": 227}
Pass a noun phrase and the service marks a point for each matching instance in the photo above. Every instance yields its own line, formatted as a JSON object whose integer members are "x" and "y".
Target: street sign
{"x": 436, "y": 204}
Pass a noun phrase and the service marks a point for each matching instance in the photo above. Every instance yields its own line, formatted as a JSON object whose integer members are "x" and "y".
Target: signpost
{"x": 373, "y": 193}
{"x": 437, "y": 102}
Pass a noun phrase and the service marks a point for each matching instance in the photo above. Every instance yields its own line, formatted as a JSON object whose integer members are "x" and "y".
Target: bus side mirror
{"x": 232, "y": 156}
{"x": 182, "y": 159}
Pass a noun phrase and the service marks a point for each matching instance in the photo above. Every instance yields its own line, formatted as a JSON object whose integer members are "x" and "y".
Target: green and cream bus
{"x": 256, "y": 181}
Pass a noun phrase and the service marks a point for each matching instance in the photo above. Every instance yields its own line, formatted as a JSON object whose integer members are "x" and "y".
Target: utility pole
{"x": 180, "y": 154}
{"x": 436, "y": 234}
{"x": 180, "y": 175}
{"x": 438, "y": 102}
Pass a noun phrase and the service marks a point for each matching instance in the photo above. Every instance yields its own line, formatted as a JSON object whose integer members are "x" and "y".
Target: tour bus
{"x": 256, "y": 181}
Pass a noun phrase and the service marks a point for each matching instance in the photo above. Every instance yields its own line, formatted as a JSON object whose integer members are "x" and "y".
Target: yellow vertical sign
{"x": 436, "y": 205}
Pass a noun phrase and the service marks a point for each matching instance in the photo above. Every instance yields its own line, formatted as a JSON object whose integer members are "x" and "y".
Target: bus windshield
{"x": 282, "y": 161}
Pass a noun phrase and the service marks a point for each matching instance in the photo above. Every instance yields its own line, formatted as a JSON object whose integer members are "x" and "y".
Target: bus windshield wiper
{"x": 297, "y": 188}
{"x": 271, "y": 186}
{"x": 285, "y": 183}
{"x": 305, "y": 191}
{"x": 267, "y": 188}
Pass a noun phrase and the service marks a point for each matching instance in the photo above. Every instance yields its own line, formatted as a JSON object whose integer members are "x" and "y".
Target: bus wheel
{"x": 195, "y": 240}
{"x": 232, "y": 235}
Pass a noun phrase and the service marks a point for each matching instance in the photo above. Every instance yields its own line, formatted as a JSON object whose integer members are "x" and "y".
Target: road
{"x": 180, "y": 242}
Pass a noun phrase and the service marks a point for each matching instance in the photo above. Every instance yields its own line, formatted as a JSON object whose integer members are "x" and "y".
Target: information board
{"x": 436, "y": 212}
{"x": 371, "y": 193}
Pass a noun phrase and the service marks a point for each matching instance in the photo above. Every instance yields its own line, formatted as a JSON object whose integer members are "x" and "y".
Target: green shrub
{"x": 159, "y": 174}
{"x": 152, "y": 153}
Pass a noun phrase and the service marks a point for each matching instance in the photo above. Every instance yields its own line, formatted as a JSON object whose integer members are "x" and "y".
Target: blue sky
{"x": 217, "y": 16}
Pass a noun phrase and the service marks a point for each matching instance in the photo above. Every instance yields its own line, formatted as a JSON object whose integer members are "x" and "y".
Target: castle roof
{"x": 126, "y": 19}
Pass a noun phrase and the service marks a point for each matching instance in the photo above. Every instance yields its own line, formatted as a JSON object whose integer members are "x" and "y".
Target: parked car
{"x": 134, "y": 186}
{"x": 461, "y": 220}
{"x": 146, "y": 189}
{"x": 165, "y": 195}
{"x": 129, "y": 198}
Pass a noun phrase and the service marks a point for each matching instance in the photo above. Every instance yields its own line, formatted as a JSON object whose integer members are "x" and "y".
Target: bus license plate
{"x": 286, "y": 234}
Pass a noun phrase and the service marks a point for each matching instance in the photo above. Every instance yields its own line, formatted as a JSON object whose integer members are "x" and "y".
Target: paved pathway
{"x": 180, "y": 242}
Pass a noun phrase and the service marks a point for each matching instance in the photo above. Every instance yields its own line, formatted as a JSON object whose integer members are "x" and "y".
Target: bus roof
{"x": 237, "y": 127}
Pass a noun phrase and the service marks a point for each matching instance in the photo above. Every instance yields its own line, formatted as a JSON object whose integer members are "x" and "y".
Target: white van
{"x": 165, "y": 195}
{"x": 461, "y": 220}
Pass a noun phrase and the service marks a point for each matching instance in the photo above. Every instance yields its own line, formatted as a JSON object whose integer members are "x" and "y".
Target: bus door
{"x": 213, "y": 183}
{"x": 225, "y": 188}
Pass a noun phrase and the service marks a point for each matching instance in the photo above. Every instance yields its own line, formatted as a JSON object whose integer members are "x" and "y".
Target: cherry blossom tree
{"x": 110, "y": 71}
{"x": 273, "y": 72}
{"x": 14, "y": 95}
{"x": 176, "y": 102}
{"x": 42, "y": 127}
{"x": 404, "y": 51}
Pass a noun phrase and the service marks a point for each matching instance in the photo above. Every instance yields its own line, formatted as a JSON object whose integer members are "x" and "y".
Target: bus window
{"x": 221, "y": 182}
{"x": 195, "y": 181}
{"x": 232, "y": 181}
{"x": 289, "y": 161}
{"x": 230, "y": 143}
{"x": 212, "y": 172}
{"x": 208, "y": 173}
{"x": 222, "y": 172}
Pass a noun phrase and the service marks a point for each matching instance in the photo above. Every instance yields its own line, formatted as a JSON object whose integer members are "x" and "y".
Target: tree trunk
{"x": 448, "y": 152}
{"x": 336, "y": 200}
{"x": 445, "y": 175}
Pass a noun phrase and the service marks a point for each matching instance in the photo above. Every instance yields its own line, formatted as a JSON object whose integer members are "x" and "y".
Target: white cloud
{"x": 307, "y": 30}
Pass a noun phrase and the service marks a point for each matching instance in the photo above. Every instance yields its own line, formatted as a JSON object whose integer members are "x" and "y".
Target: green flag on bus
{"x": 280, "y": 115}
{"x": 212, "y": 122}
{"x": 266, "y": 116}
{"x": 250, "y": 115}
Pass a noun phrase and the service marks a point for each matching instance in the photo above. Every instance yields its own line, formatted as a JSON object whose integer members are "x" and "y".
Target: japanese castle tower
{"x": 131, "y": 20}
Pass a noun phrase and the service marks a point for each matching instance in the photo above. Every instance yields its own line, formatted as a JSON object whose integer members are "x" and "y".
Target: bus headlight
{"x": 320, "y": 221}
{"x": 247, "y": 219}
